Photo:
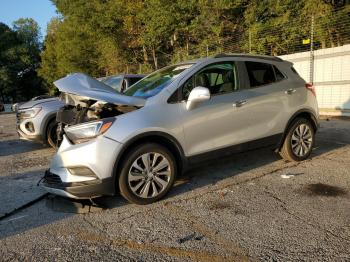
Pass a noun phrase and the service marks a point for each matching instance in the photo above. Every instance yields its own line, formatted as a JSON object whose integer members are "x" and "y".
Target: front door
{"x": 210, "y": 125}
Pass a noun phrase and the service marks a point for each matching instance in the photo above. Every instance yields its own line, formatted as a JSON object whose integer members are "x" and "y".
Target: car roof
{"x": 264, "y": 57}
{"x": 237, "y": 55}
{"x": 134, "y": 75}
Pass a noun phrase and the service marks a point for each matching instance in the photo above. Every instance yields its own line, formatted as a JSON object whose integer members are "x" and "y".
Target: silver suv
{"x": 139, "y": 142}
{"x": 36, "y": 120}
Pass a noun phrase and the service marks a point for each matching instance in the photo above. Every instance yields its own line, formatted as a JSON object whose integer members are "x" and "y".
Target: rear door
{"x": 265, "y": 107}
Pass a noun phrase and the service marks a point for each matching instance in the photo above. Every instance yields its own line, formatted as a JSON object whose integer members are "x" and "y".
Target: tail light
{"x": 310, "y": 87}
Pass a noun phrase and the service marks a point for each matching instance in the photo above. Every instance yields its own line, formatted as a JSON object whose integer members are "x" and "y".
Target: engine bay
{"x": 79, "y": 109}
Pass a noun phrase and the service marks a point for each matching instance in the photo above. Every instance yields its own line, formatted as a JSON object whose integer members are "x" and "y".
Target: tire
{"x": 293, "y": 142}
{"x": 133, "y": 183}
{"x": 51, "y": 134}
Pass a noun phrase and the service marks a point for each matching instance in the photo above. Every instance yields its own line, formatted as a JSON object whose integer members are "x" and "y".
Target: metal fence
{"x": 313, "y": 43}
{"x": 306, "y": 33}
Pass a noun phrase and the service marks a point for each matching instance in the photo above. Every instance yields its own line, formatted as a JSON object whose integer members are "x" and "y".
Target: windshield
{"x": 113, "y": 81}
{"x": 155, "y": 82}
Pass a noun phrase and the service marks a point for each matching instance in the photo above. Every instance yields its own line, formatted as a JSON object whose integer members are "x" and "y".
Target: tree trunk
{"x": 155, "y": 61}
{"x": 145, "y": 55}
{"x": 331, "y": 39}
{"x": 187, "y": 47}
{"x": 2, "y": 96}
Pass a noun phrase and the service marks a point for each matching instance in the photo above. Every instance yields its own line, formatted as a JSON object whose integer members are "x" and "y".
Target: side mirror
{"x": 197, "y": 95}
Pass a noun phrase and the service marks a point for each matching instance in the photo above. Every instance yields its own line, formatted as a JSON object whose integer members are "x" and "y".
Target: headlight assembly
{"x": 29, "y": 113}
{"x": 84, "y": 132}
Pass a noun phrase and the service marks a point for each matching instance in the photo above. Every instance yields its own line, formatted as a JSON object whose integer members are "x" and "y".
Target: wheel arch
{"x": 51, "y": 117}
{"x": 303, "y": 113}
{"x": 156, "y": 137}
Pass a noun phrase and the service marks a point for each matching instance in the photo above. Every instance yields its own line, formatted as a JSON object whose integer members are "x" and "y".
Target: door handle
{"x": 290, "y": 91}
{"x": 239, "y": 103}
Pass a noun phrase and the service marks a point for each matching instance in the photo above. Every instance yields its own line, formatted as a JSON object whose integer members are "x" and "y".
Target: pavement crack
{"x": 24, "y": 206}
{"x": 130, "y": 216}
{"x": 285, "y": 209}
{"x": 216, "y": 188}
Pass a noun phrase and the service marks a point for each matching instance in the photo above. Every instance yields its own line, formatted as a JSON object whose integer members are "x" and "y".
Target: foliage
{"x": 104, "y": 37}
{"x": 19, "y": 59}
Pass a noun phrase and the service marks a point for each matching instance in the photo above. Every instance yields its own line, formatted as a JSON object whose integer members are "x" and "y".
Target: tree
{"x": 19, "y": 59}
{"x": 114, "y": 36}
{"x": 8, "y": 62}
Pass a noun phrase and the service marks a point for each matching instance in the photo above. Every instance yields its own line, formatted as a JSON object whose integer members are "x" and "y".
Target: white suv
{"x": 138, "y": 142}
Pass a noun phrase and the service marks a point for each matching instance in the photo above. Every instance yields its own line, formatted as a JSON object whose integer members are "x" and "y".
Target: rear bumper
{"x": 79, "y": 190}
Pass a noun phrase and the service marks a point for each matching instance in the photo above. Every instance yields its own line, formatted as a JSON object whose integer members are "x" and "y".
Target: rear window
{"x": 294, "y": 71}
{"x": 278, "y": 74}
{"x": 262, "y": 73}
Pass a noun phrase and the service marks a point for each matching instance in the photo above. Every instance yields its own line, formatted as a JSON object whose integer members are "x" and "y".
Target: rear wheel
{"x": 299, "y": 140}
{"x": 51, "y": 134}
{"x": 148, "y": 172}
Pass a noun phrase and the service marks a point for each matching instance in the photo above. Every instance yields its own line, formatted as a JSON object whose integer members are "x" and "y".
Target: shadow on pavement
{"x": 17, "y": 146}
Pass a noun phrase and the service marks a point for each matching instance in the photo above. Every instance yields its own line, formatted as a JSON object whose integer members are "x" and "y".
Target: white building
{"x": 331, "y": 77}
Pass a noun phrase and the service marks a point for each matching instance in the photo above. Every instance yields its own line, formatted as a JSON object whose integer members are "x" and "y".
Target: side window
{"x": 260, "y": 74}
{"x": 278, "y": 74}
{"x": 219, "y": 78}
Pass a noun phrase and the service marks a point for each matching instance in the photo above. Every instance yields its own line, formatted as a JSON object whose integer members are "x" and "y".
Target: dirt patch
{"x": 222, "y": 205}
{"x": 149, "y": 247}
{"x": 320, "y": 189}
{"x": 219, "y": 205}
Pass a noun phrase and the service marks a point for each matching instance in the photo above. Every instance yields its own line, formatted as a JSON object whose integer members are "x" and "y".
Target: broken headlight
{"x": 84, "y": 132}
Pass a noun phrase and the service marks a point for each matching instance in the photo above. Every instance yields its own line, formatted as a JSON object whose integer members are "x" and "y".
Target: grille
{"x": 50, "y": 178}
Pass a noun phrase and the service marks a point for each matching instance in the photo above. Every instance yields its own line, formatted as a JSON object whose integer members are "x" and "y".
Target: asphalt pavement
{"x": 252, "y": 206}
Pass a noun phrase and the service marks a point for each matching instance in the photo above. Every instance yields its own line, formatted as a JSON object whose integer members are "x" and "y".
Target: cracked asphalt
{"x": 248, "y": 207}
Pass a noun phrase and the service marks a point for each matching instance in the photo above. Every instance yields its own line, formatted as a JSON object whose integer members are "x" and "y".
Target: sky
{"x": 40, "y": 10}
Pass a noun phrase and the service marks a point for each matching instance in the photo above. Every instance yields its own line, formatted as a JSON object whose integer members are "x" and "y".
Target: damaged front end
{"x": 87, "y": 99}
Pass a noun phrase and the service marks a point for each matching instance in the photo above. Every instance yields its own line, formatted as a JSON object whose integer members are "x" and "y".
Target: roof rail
{"x": 266, "y": 57}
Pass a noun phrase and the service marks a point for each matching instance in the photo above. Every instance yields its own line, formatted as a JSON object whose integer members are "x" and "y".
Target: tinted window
{"x": 278, "y": 74}
{"x": 133, "y": 80}
{"x": 260, "y": 73}
{"x": 219, "y": 78}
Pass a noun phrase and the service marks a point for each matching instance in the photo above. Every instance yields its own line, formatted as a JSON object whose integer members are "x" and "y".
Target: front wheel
{"x": 148, "y": 172}
{"x": 299, "y": 140}
{"x": 51, "y": 134}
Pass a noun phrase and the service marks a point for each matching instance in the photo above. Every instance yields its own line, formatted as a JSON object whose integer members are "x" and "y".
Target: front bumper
{"x": 98, "y": 155}
{"x": 23, "y": 132}
{"x": 78, "y": 190}
{"x": 24, "y": 136}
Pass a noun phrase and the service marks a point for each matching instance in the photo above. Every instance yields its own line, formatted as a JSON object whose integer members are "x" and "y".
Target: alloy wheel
{"x": 149, "y": 175}
{"x": 301, "y": 140}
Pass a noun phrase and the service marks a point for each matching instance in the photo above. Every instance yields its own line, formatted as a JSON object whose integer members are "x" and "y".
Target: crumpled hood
{"x": 31, "y": 103}
{"x": 86, "y": 86}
